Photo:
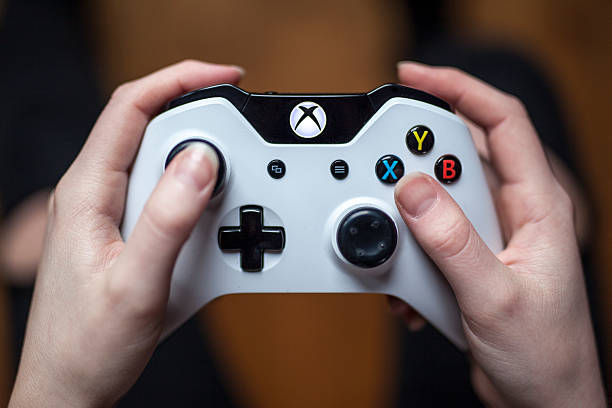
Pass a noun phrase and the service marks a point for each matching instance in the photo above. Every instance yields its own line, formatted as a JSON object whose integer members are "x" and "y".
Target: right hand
{"x": 525, "y": 311}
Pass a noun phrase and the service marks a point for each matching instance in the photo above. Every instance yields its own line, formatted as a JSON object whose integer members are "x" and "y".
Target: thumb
{"x": 144, "y": 268}
{"x": 447, "y": 236}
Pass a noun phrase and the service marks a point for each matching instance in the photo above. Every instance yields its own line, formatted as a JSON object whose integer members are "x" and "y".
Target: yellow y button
{"x": 420, "y": 139}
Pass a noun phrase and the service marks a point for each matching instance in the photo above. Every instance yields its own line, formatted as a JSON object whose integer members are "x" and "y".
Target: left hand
{"x": 99, "y": 303}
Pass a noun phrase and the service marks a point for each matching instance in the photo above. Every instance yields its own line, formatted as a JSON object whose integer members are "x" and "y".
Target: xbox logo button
{"x": 307, "y": 119}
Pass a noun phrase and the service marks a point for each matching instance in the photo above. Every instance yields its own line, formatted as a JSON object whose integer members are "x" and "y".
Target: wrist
{"x": 587, "y": 391}
{"x": 584, "y": 381}
{"x": 579, "y": 385}
{"x": 35, "y": 389}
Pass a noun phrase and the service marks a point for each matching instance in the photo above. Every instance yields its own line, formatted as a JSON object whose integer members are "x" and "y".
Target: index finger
{"x": 102, "y": 165}
{"x": 116, "y": 135}
{"x": 515, "y": 148}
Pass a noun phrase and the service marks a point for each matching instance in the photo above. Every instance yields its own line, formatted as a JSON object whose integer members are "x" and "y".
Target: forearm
{"x": 585, "y": 387}
{"x": 41, "y": 383}
{"x": 37, "y": 392}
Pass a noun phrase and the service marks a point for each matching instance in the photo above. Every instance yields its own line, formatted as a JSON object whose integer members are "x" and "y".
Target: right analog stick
{"x": 367, "y": 237}
{"x": 222, "y": 166}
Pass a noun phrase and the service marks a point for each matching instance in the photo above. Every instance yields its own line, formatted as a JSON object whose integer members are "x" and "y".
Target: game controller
{"x": 304, "y": 200}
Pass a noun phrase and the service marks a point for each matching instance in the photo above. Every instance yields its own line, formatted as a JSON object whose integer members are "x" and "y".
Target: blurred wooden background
{"x": 339, "y": 350}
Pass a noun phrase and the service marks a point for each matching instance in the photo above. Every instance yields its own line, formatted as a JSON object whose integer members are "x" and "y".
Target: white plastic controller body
{"x": 309, "y": 203}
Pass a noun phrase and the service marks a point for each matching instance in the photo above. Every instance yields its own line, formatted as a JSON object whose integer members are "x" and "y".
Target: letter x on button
{"x": 251, "y": 238}
{"x": 389, "y": 169}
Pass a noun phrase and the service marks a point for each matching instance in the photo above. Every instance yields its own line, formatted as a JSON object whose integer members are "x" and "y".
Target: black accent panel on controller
{"x": 232, "y": 93}
{"x": 382, "y": 94}
{"x": 269, "y": 115}
{"x": 346, "y": 114}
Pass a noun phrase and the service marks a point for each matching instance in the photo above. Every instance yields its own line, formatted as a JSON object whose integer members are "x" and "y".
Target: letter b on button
{"x": 448, "y": 169}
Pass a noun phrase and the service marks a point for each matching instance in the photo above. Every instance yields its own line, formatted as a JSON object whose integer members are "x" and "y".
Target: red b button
{"x": 448, "y": 169}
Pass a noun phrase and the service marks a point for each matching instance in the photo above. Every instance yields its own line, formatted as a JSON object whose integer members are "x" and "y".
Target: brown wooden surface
{"x": 338, "y": 350}
{"x": 352, "y": 46}
{"x": 305, "y": 350}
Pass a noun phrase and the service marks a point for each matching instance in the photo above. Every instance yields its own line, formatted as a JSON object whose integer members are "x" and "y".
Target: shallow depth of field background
{"x": 339, "y": 350}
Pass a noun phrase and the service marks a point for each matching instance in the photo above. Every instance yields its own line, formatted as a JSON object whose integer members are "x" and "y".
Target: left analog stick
{"x": 222, "y": 166}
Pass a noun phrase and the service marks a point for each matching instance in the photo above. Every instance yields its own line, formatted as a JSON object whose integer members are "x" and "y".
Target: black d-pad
{"x": 251, "y": 238}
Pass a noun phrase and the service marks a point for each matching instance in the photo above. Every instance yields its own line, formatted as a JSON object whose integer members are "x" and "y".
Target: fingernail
{"x": 239, "y": 69}
{"x": 400, "y": 64}
{"x": 415, "y": 194}
{"x": 412, "y": 64}
{"x": 196, "y": 166}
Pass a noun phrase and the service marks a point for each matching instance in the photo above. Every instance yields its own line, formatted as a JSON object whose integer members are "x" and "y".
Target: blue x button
{"x": 389, "y": 169}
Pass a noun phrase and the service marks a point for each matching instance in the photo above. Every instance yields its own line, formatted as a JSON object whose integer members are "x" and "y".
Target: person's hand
{"x": 525, "y": 311}
{"x": 99, "y": 302}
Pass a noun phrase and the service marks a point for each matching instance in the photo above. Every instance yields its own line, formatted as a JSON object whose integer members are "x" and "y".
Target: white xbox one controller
{"x": 304, "y": 197}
